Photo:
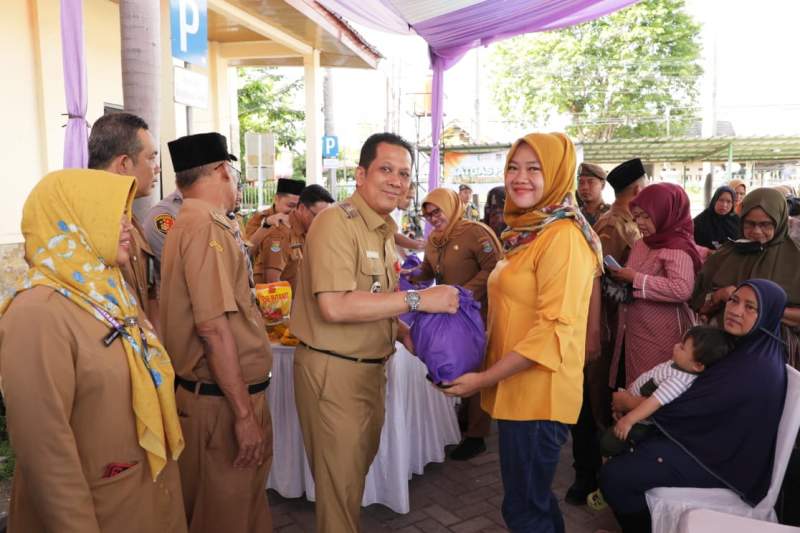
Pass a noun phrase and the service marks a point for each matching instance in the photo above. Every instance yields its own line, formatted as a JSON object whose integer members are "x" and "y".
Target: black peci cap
{"x": 200, "y": 149}
{"x": 626, "y": 173}
{"x": 287, "y": 186}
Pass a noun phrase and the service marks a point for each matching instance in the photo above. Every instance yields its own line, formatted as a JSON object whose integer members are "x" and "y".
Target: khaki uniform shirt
{"x": 255, "y": 221}
{"x": 70, "y": 416}
{"x": 349, "y": 247}
{"x": 282, "y": 250}
{"x": 205, "y": 275}
{"x": 140, "y": 271}
{"x": 467, "y": 260}
{"x": 617, "y": 231}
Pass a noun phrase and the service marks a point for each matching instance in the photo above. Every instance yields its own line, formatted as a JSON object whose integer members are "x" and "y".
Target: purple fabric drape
{"x": 453, "y": 33}
{"x": 76, "y": 136}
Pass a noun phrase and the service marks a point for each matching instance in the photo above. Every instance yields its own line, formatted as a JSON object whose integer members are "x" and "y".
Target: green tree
{"x": 628, "y": 74}
{"x": 266, "y": 106}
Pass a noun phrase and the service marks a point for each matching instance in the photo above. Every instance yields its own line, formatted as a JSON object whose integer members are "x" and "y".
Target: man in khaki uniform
{"x": 216, "y": 339}
{"x": 286, "y": 197}
{"x": 121, "y": 143}
{"x": 591, "y": 182}
{"x": 470, "y": 210}
{"x": 618, "y": 232}
{"x": 345, "y": 317}
{"x": 282, "y": 248}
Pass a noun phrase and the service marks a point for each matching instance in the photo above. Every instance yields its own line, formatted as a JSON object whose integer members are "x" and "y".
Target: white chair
{"x": 667, "y": 504}
{"x": 705, "y": 521}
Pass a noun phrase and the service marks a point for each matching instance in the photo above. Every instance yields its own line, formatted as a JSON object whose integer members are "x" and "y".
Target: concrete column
{"x": 167, "y": 109}
{"x": 314, "y": 122}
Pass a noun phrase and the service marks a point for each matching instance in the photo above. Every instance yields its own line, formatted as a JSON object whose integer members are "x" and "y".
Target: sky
{"x": 749, "y": 55}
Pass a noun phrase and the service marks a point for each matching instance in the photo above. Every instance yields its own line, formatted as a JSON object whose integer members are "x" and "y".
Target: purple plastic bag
{"x": 451, "y": 345}
{"x": 411, "y": 262}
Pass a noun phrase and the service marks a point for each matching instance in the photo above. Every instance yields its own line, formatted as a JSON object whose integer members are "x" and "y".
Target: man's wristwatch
{"x": 412, "y": 300}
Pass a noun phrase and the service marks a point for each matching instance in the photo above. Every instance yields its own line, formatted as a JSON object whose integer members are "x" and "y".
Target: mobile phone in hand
{"x": 611, "y": 263}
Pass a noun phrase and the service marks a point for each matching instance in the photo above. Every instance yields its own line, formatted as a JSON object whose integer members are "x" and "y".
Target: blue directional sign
{"x": 189, "y": 29}
{"x": 330, "y": 146}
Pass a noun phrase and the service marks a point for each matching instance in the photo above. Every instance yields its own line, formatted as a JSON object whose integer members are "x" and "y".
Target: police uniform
{"x": 471, "y": 212}
{"x": 158, "y": 222}
{"x": 140, "y": 271}
{"x": 205, "y": 274}
{"x": 339, "y": 377}
{"x": 282, "y": 250}
{"x": 593, "y": 171}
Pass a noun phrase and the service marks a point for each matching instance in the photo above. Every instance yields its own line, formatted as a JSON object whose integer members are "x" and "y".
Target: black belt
{"x": 347, "y": 357}
{"x": 212, "y": 389}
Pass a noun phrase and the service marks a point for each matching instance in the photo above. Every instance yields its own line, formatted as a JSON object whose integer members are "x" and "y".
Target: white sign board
{"x": 330, "y": 163}
{"x": 191, "y": 88}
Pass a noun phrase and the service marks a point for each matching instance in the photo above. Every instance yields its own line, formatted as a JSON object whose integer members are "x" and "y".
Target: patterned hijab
{"x": 71, "y": 225}
{"x": 557, "y": 158}
{"x": 668, "y": 207}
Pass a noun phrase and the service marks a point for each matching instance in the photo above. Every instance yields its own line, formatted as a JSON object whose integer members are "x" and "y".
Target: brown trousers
{"x": 341, "y": 408}
{"x": 217, "y": 496}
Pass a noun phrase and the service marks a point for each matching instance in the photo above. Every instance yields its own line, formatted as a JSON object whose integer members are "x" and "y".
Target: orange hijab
{"x": 733, "y": 184}
{"x": 557, "y": 157}
{"x": 448, "y": 201}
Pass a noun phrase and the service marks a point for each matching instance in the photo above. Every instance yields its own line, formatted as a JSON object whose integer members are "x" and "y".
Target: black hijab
{"x": 728, "y": 419}
{"x": 711, "y": 227}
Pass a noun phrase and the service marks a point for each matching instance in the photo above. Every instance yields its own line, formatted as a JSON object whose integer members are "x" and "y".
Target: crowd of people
{"x": 134, "y": 358}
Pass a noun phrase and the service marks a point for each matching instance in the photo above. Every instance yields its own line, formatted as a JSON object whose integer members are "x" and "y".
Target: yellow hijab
{"x": 556, "y": 155}
{"x": 448, "y": 201}
{"x": 71, "y": 227}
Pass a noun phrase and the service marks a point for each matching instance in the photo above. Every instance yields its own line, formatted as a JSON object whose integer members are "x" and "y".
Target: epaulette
{"x": 221, "y": 220}
{"x": 349, "y": 209}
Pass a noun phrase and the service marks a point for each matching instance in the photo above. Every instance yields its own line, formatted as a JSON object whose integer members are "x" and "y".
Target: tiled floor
{"x": 459, "y": 497}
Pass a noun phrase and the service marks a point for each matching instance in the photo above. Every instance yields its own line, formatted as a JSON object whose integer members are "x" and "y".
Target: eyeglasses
{"x": 430, "y": 215}
{"x": 765, "y": 226}
{"x": 234, "y": 172}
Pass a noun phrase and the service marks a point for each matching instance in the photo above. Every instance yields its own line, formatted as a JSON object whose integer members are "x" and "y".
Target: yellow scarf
{"x": 71, "y": 225}
{"x": 556, "y": 156}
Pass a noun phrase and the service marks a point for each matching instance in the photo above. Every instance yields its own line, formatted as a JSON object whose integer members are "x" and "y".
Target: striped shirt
{"x": 670, "y": 380}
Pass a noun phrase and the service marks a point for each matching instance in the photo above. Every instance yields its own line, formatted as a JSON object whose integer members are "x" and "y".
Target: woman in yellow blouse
{"x": 538, "y": 308}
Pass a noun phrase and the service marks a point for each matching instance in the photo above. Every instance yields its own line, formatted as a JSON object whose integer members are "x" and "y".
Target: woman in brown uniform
{"x": 88, "y": 387}
{"x": 460, "y": 252}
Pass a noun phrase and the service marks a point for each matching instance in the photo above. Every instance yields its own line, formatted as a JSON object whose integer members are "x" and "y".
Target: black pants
{"x": 586, "y": 445}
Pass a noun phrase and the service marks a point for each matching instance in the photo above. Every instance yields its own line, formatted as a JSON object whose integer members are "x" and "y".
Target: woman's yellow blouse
{"x": 538, "y": 308}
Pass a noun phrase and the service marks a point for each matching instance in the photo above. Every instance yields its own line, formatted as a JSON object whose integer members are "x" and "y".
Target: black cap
{"x": 626, "y": 173}
{"x": 200, "y": 149}
{"x": 287, "y": 186}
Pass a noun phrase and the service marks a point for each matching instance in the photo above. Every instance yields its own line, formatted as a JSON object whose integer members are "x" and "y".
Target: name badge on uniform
{"x": 372, "y": 254}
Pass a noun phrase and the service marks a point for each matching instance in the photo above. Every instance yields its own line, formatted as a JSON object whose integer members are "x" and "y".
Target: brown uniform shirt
{"x": 618, "y": 232}
{"x": 205, "y": 275}
{"x": 467, "y": 260}
{"x": 68, "y": 400}
{"x": 349, "y": 247}
{"x": 140, "y": 273}
{"x": 282, "y": 250}
{"x": 255, "y": 221}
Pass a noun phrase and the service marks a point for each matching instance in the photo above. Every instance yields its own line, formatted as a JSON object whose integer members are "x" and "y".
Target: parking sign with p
{"x": 189, "y": 30}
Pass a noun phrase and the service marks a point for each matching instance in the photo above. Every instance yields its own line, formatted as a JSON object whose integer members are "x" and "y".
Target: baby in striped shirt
{"x": 702, "y": 346}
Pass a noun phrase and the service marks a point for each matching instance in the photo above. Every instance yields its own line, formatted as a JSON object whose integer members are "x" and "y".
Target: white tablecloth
{"x": 420, "y": 421}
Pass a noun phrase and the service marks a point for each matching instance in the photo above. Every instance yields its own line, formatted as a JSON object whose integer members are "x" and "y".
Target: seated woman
{"x": 718, "y": 224}
{"x": 740, "y": 188}
{"x": 661, "y": 267}
{"x": 767, "y": 253}
{"x": 460, "y": 252}
{"x": 721, "y": 432}
{"x": 88, "y": 387}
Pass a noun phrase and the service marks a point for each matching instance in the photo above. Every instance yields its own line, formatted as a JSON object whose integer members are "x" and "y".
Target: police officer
{"x": 470, "y": 210}
{"x": 122, "y": 143}
{"x": 618, "y": 232}
{"x": 591, "y": 181}
{"x": 345, "y": 317}
{"x": 216, "y": 339}
{"x": 160, "y": 220}
{"x": 282, "y": 248}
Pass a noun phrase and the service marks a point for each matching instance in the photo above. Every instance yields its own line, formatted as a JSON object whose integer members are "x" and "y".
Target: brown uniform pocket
{"x": 120, "y": 500}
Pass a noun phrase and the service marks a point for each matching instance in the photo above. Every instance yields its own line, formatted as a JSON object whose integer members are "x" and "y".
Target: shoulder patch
{"x": 487, "y": 247}
{"x": 349, "y": 209}
{"x": 163, "y": 223}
